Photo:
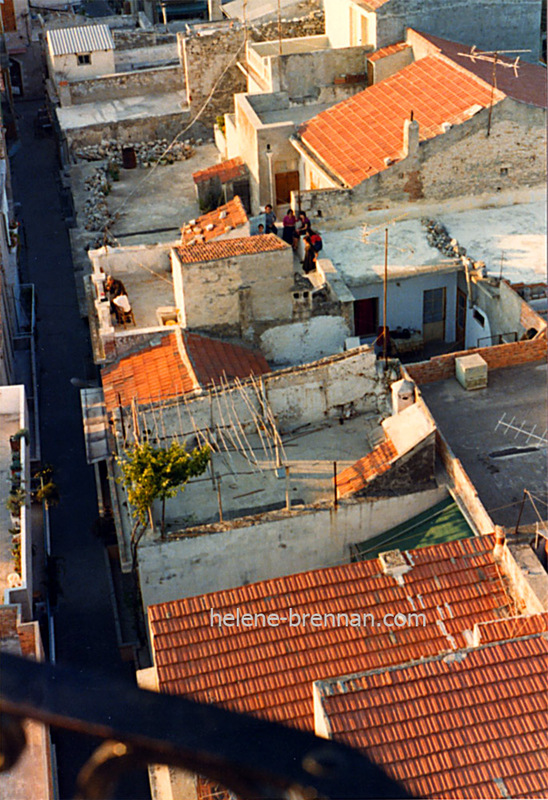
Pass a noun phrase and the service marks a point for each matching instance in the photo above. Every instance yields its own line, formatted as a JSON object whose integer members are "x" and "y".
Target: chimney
{"x": 500, "y": 541}
{"x": 403, "y": 395}
{"x": 410, "y": 137}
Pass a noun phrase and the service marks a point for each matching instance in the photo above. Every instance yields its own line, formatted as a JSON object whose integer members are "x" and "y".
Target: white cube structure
{"x": 471, "y": 371}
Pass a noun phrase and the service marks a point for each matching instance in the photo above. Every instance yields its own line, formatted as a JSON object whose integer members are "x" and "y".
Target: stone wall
{"x": 462, "y": 162}
{"x": 207, "y": 55}
{"x": 500, "y": 25}
{"x": 239, "y": 296}
{"x": 127, "y": 131}
{"x": 126, "y": 84}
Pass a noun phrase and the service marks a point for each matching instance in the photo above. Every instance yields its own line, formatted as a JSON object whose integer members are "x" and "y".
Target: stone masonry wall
{"x": 463, "y": 161}
{"x": 127, "y": 84}
{"x": 488, "y": 24}
{"x": 205, "y": 57}
{"x": 128, "y": 131}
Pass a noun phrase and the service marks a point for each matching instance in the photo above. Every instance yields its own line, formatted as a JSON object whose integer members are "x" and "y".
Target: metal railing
{"x": 251, "y": 757}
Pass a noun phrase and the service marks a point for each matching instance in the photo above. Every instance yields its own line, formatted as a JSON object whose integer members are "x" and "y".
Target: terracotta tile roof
{"x": 155, "y": 372}
{"x": 387, "y": 51}
{"x": 528, "y": 83}
{"x": 230, "y": 248}
{"x": 230, "y": 215}
{"x": 159, "y": 372}
{"x": 268, "y": 671}
{"x": 226, "y": 171}
{"x": 356, "y": 477}
{"x": 512, "y": 628}
{"x": 474, "y": 724}
{"x": 371, "y": 5}
{"x": 213, "y": 359}
{"x": 354, "y": 137}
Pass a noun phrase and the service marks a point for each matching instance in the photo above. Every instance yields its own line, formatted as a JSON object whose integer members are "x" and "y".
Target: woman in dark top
{"x": 309, "y": 262}
{"x": 289, "y": 227}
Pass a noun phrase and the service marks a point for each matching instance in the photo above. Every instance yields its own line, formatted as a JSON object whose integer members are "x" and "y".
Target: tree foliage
{"x": 151, "y": 473}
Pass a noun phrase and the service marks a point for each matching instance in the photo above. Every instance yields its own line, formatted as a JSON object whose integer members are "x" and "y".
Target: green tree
{"x": 151, "y": 473}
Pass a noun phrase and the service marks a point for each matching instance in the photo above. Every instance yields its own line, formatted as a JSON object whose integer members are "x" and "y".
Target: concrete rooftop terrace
{"x": 107, "y": 112}
{"x": 501, "y": 463}
{"x": 360, "y": 258}
{"x": 253, "y": 489}
{"x": 511, "y": 225}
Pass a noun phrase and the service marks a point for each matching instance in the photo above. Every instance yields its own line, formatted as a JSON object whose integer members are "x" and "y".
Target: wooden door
{"x": 433, "y": 315}
{"x": 286, "y": 182}
{"x": 366, "y": 316}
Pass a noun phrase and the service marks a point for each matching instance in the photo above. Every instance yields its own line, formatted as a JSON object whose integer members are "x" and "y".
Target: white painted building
{"x": 81, "y": 52}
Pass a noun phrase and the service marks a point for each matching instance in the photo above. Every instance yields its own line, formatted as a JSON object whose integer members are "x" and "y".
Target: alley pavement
{"x": 84, "y": 623}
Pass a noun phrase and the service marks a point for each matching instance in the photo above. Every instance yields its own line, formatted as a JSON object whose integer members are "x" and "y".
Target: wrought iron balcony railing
{"x": 251, "y": 757}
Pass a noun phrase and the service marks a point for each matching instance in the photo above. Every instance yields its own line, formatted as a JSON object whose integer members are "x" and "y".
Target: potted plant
{"x": 14, "y": 502}
{"x": 15, "y": 440}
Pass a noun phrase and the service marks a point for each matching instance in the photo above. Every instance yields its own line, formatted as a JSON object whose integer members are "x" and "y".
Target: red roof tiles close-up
{"x": 356, "y": 477}
{"x": 389, "y": 50}
{"x": 473, "y": 724}
{"x": 226, "y": 171}
{"x": 215, "y": 223}
{"x": 158, "y": 372}
{"x": 354, "y": 138}
{"x": 227, "y": 248}
{"x": 269, "y": 670}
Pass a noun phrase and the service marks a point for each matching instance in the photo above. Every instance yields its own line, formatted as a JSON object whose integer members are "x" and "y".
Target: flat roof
{"x": 360, "y": 259}
{"x": 249, "y": 488}
{"x": 500, "y": 462}
{"x": 296, "y": 114}
{"x": 443, "y": 522}
{"x": 107, "y": 112}
{"x": 511, "y": 226}
{"x": 515, "y": 233}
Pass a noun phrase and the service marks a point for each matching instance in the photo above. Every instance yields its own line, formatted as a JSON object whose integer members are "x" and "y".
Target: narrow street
{"x": 84, "y": 625}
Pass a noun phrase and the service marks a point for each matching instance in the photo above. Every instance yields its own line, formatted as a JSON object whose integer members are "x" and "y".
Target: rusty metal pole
{"x": 335, "y": 495}
{"x": 521, "y": 511}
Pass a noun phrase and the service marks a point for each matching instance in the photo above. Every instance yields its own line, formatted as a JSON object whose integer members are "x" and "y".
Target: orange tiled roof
{"x": 158, "y": 371}
{"x": 230, "y": 215}
{"x": 212, "y": 358}
{"x": 387, "y": 51}
{"x": 354, "y": 137}
{"x": 268, "y": 671}
{"x": 356, "y": 477}
{"x": 226, "y": 171}
{"x": 473, "y": 725}
{"x": 229, "y": 248}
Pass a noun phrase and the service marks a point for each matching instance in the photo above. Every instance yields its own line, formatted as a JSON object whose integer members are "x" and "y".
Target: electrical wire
{"x": 181, "y": 133}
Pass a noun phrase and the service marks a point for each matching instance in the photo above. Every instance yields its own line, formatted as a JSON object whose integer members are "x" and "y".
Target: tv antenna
{"x": 492, "y": 57}
{"x": 507, "y": 427}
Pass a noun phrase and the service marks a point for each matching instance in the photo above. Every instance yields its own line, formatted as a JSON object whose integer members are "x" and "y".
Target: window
{"x": 504, "y": 170}
{"x": 84, "y": 59}
{"x": 479, "y": 318}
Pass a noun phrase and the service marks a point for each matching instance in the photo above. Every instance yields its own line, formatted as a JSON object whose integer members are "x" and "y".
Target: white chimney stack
{"x": 410, "y": 137}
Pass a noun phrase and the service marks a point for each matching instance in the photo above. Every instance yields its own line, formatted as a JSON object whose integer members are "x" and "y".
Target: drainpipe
{"x": 269, "y": 155}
